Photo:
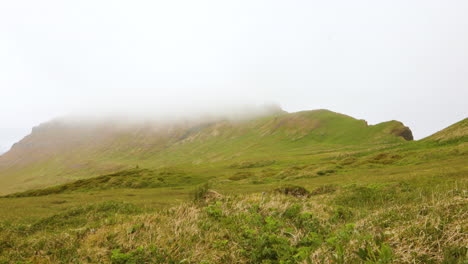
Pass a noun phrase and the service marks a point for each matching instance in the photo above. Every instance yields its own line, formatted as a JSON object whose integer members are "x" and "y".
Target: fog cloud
{"x": 376, "y": 60}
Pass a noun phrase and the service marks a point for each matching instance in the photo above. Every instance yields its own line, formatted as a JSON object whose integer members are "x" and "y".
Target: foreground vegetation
{"x": 389, "y": 223}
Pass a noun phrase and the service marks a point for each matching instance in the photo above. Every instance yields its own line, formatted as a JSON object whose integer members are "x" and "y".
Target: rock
{"x": 404, "y": 132}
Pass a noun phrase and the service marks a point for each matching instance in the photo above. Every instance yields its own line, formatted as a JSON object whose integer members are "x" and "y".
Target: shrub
{"x": 293, "y": 190}
{"x": 325, "y": 189}
{"x": 252, "y": 164}
{"x": 341, "y": 214}
{"x": 119, "y": 257}
{"x": 200, "y": 192}
{"x": 141, "y": 255}
{"x": 455, "y": 255}
{"x": 214, "y": 210}
{"x": 385, "y": 158}
{"x": 325, "y": 172}
{"x": 240, "y": 176}
{"x": 293, "y": 211}
{"x": 383, "y": 254}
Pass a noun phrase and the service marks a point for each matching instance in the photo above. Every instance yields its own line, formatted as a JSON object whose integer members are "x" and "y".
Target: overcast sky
{"x": 375, "y": 60}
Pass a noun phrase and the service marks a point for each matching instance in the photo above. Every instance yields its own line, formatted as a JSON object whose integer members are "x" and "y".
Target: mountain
{"x": 62, "y": 150}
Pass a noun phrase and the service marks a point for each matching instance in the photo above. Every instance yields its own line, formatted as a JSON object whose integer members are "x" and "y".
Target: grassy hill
{"x": 307, "y": 187}
{"x": 61, "y": 151}
{"x": 457, "y": 132}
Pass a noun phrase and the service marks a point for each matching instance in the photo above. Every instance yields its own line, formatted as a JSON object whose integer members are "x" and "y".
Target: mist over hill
{"x": 71, "y": 148}
{"x": 137, "y": 132}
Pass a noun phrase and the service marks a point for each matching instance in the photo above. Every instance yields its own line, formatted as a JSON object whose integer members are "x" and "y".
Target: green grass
{"x": 74, "y": 152}
{"x": 265, "y": 191}
{"x": 393, "y": 223}
{"x": 403, "y": 203}
{"x": 130, "y": 179}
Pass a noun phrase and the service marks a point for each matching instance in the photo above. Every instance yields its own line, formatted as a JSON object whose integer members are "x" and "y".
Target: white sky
{"x": 376, "y": 60}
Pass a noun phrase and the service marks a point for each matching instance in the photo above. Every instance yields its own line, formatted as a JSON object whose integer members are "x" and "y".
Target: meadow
{"x": 394, "y": 203}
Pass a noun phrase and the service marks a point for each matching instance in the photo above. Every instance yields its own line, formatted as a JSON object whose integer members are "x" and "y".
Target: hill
{"x": 63, "y": 150}
{"x": 457, "y": 132}
{"x": 275, "y": 189}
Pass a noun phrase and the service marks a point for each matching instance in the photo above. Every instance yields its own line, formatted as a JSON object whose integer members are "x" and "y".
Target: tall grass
{"x": 394, "y": 223}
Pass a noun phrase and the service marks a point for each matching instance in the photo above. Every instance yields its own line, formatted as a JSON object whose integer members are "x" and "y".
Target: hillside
{"x": 456, "y": 132}
{"x": 307, "y": 187}
{"x": 64, "y": 150}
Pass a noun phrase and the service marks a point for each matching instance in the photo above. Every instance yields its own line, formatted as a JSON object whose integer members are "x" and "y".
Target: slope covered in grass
{"x": 288, "y": 202}
{"x": 457, "y": 132}
{"x": 61, "y": 151}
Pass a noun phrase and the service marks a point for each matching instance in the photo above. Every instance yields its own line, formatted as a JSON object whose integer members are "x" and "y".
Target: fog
{"x": 130, "y": 119}
{"x": 373, "y": 60}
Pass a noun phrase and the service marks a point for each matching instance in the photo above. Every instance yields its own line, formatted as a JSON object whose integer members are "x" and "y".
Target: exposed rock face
{"x": 404, "y": 132}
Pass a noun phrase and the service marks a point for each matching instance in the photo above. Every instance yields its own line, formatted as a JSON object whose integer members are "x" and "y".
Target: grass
{"x": 132, "y": 178}
{"x": 396, "y": 204}
{"x": 405, "y": 224}
{"x": 237, "y": 199}
{"x": 78, "y": 152}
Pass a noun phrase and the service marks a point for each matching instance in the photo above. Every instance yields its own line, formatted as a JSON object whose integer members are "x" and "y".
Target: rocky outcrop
{"x": 404, "y": 132}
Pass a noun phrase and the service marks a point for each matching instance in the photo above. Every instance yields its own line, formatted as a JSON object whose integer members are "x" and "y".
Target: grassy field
{"x": 282, "y": 199}
{"x": 389, "y": 203}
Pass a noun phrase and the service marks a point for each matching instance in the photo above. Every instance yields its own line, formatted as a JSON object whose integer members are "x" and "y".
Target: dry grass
{"x": 429, "y": 230}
